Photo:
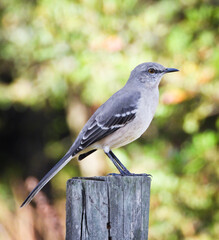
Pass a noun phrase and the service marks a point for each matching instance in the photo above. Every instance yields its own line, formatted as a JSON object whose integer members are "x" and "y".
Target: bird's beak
{"x": 168, "y": 70}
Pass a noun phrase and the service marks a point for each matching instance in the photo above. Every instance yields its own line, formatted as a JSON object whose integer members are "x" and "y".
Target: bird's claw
{"x": 130, "y": 174}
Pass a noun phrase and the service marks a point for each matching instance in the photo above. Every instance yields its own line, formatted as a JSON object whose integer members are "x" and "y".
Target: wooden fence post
{"x": 108, "y": 208}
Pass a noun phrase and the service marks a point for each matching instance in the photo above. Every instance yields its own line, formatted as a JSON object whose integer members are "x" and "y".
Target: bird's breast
{"x": 145, "y": 112}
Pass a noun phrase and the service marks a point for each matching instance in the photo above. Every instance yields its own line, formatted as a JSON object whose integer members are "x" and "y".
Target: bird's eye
{"x": 151, "y": 70}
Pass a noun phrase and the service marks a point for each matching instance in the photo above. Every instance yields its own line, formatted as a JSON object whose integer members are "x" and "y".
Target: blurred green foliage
{"x": 59, "y": 60}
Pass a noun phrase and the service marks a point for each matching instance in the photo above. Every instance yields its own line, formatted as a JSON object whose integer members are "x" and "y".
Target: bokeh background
{"x": 60, "y": 60}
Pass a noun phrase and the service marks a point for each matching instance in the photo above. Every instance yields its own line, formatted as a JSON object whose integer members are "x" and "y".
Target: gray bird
{"x": 123, "y": 118}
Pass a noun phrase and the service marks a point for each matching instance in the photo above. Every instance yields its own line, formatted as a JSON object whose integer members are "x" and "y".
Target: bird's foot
{"x": 114, "y": 174}
{"x": 129, "y": 174}
{"x": 141, "y": 174}
{"x": 124, "y": 172}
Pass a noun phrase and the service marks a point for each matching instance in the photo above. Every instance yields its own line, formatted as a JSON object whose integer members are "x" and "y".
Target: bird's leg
{"x": 115, "y": 163}
{"x": 120, "y": 164}
{"x": 122, "y": 169}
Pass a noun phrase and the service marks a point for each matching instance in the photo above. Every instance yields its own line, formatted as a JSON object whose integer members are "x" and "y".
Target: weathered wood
{"x": 108, "y": 208}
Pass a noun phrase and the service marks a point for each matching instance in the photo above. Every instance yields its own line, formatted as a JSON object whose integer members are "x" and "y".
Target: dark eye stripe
{"x": 155, "y": 70}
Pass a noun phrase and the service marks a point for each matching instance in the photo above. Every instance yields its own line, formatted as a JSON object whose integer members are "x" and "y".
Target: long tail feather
{"x": 48, "y": 177}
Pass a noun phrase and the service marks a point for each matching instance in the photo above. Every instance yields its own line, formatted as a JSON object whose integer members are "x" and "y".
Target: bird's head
{"x": 149, "y": 73}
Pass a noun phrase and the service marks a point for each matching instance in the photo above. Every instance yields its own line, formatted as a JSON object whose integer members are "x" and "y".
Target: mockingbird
{"x": 123, "y": 118}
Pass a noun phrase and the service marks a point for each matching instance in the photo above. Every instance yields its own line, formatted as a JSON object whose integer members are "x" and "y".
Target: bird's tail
{"x": 48, "y": 177}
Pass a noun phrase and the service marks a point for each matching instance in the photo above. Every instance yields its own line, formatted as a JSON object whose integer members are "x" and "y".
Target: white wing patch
{"x": 126, "y": 113}
{"x": 102, "y": 126}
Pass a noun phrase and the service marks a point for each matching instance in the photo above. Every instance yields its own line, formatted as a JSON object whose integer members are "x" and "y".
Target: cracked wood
{"x": 108, "y": 208}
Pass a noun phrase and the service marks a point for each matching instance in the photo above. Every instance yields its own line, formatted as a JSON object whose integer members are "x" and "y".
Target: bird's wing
{"x": 115, "y": 114}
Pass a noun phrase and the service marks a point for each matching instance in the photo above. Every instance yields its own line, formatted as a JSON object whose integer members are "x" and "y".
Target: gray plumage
{"x": 124, "y": 117}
